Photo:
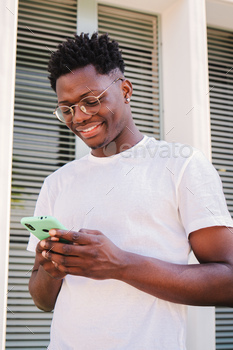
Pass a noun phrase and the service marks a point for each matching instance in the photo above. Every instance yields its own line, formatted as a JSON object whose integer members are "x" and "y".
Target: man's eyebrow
{"x": 81, "y": 96}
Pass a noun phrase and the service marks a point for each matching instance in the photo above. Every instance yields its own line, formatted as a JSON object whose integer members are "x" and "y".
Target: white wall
{"x": 219, "y": 14}
{"x": 8, "y": 27}
{"x": 155, "y": 6}
{"x": 186, "y": 114}
{"x": 185, "y": 75}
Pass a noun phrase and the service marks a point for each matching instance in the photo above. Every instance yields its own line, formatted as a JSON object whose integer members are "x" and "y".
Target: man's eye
{"x": 91, "y": 102}
{"x": 65, "y": 110}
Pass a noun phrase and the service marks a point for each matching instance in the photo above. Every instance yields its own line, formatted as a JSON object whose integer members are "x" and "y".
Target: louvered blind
{"x": 41, "y": 145}
{"x": 220, "y": 51}
{"x": 137, "y": 35}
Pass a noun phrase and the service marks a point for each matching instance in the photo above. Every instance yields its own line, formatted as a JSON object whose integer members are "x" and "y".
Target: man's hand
{"x": 91, "y": 254}
{"x": 46, "y": 280}
{"x": 48, "y": 266}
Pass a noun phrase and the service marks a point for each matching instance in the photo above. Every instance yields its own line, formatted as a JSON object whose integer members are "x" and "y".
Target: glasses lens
{"x": 89, "y": 105}
{"x": 63, "y": 113}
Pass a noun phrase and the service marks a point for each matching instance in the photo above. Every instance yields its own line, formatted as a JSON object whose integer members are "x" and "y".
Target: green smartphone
{"x": 39, "y": 226}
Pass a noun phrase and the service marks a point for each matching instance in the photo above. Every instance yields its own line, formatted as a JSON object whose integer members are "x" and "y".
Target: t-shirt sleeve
{"x": 42, "y": 208}
{"x": 200, "y": 196}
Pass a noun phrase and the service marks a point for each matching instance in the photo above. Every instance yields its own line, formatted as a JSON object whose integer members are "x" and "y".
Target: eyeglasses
{"x": 89, "y": 105}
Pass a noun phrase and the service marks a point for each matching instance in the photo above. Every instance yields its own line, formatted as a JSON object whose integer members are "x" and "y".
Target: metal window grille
{"x": 137, "y": 34}
{"x": 220, "y": 56}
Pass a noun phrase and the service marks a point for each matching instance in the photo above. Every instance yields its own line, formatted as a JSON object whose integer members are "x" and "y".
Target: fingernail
{"x": 52, "y": 232}
{"x": 55, "y": 239}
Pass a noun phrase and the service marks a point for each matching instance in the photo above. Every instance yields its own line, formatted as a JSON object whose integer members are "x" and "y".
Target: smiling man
{"x": 133, "y": 216}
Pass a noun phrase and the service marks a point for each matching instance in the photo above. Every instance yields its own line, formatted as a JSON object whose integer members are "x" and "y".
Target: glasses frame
{"x": 71, "y": 108}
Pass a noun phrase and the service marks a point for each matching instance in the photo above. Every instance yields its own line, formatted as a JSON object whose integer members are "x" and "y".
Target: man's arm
{"x": 93, "y": 255}
{"x": 205, "y": 284}
{"x": 45, "y": 282}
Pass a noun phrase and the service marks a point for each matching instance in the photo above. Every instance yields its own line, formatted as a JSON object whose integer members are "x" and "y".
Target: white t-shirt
{"x": 146, "y": 200}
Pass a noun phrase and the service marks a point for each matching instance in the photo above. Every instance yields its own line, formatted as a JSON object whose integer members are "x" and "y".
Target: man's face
{"x": 112, "y": 122}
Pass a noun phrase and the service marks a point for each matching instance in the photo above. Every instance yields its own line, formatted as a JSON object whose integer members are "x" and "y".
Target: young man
{"x": 133, "y": 215}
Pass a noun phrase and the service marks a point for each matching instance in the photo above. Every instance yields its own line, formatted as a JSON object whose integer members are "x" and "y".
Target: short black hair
{"x": 104, "y": 54}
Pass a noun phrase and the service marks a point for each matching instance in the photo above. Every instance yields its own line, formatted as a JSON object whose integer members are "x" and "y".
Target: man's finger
{"x": 80, "y": 237}
{"x": 39, "y": 248}
{"x": 90, "y": 232}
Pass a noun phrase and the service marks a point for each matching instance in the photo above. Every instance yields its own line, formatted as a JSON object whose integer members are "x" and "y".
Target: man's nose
{"x": 79, "y": 115}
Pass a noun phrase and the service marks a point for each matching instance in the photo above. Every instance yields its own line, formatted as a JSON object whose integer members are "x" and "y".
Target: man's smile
{"x": 89, "y": 130}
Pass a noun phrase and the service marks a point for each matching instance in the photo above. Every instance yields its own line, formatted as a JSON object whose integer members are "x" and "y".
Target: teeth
{"x": 89, "y": 129}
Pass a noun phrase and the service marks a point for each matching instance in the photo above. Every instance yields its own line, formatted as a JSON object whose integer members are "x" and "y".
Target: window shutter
{"x": 41, "y": 145}
{"x": 220, "y": 52}
{"x": 137, "y": 35}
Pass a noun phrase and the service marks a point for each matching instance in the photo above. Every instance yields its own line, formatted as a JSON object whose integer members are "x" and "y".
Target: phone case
{"x": 40, "y": 225}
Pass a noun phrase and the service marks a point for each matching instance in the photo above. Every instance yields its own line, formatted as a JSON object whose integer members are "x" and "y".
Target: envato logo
{"x": 152, "y": 150}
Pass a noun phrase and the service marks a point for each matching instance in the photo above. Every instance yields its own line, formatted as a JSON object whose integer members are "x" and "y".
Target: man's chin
{"x": 107, "y": 149}
{"x": 93, "y": 145}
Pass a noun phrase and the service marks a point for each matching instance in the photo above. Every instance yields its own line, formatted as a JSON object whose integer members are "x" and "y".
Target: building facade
{"x": 179, "y": 57}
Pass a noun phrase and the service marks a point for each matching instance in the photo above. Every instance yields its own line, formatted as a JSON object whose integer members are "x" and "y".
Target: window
{"x": 137, "y": 35}
{"x": 220, "y": 51}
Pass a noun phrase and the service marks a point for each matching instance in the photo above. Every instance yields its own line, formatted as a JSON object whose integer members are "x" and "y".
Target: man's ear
{"x": 127, "y": 89}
